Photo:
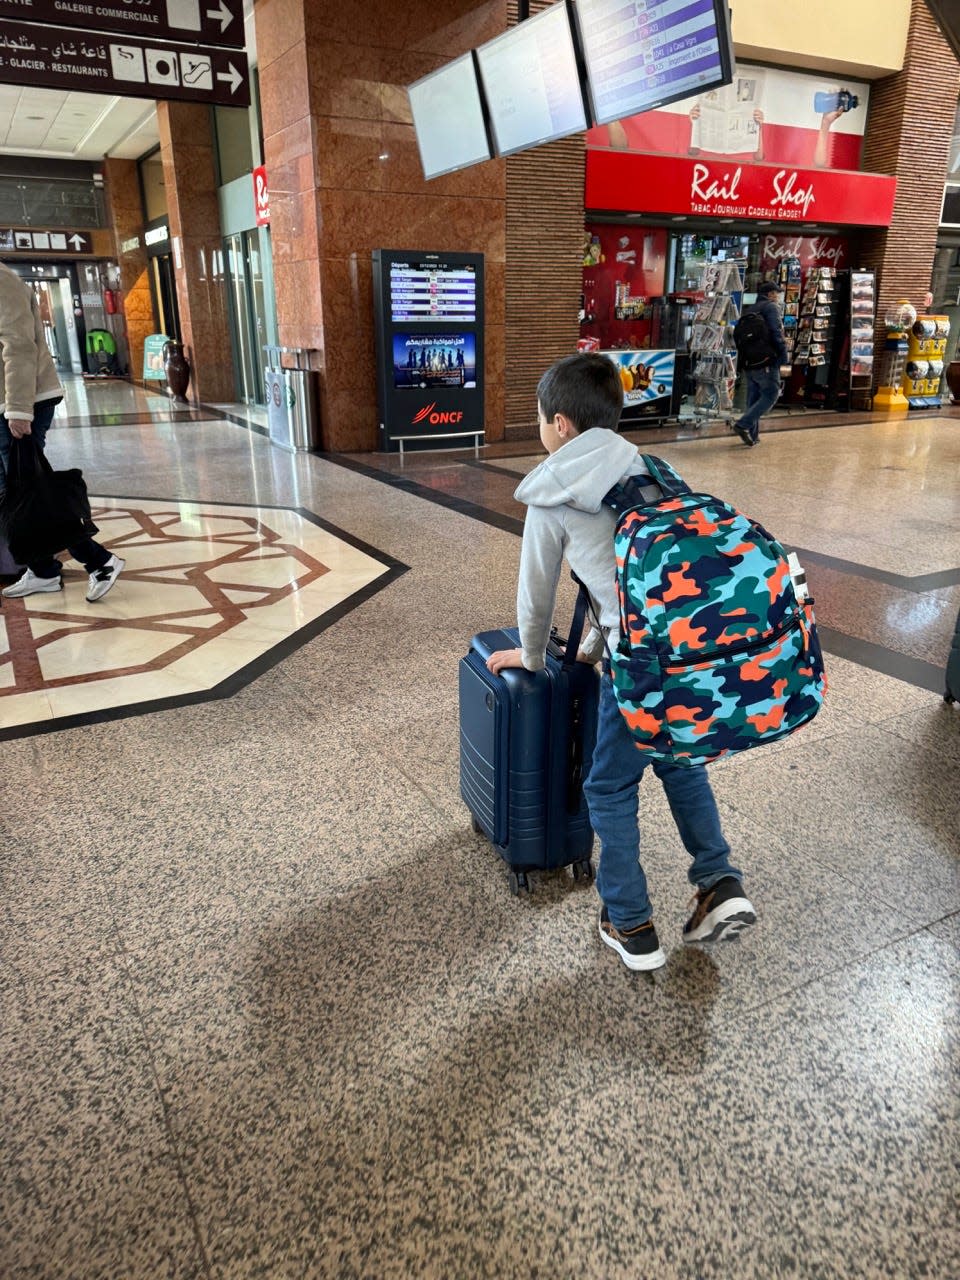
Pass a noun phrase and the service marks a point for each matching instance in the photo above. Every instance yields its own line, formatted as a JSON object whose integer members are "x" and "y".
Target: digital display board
{"x": 432, "y": 291}
{"x": 641, "y": 54}
{"x": 531, "y": 82}
{"x": 448, "y": 118}
{"x": 426, "y": 360}
{"x": 428, "y": 325}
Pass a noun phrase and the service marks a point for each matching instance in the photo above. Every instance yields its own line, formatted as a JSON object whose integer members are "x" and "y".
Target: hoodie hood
{"x": 581, "y": 472}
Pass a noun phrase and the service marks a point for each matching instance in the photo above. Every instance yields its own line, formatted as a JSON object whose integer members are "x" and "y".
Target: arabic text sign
{"x": 14, "y": 241}
{"x": 83, "y": 61}
{"x": 218, "y": 22}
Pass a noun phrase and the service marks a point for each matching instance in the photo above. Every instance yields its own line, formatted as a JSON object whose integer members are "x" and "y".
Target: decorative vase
{"x": 176, "y": 369}
{"x": 953, "y": 380}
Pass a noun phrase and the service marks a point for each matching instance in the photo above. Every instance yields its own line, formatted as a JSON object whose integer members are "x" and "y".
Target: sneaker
{"x": 638, "y": 948}
{"x": 722, "y": 911}
{"x": 29, "y": 584}
{"x": 103, "y": 579}
{"x": 745, "y": 435}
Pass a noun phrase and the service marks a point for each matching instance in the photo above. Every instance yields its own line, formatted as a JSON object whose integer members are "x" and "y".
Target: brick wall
{"x": 908, "y": 134}
{"x": 544, "y": 265}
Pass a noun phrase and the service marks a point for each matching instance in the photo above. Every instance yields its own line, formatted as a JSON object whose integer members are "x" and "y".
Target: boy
{"x": 579, "y": 403}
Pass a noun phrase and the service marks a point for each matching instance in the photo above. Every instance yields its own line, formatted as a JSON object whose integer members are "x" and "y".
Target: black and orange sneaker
{"x": 638, "y": 948}
{"x": 722, "y": 911}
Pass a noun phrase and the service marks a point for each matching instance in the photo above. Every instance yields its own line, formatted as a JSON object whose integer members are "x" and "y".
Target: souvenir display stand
{"x": 712, "y": 345}
{"x": 863, "y": 287}
{"x": 817, "y": 332}
{"x": 788, "y": 278}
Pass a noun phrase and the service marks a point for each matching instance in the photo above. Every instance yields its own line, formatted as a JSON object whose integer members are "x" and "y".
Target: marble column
{"x": 189, "y": 174}
{"x": 345, "y": 179}
{"x": 126, "y": 221}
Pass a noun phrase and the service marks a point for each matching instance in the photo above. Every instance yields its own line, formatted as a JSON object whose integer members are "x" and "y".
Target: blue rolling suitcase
{"x": 526, "y": 742}
{"x": 952, "y": 693}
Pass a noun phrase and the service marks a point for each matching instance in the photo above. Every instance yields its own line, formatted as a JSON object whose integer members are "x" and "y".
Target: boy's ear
{"x": 564, "y": 425}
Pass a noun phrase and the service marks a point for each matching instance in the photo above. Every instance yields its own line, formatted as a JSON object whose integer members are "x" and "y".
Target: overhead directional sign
{"x": 46, "y": 242}
{"x": 218, "y": 22}
{"x": 61, "y": 58}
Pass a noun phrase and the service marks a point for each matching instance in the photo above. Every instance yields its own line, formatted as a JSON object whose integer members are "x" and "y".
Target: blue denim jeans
{"x": 612, "y": 792}
{"x": 87, "y": 552}
{"x": 763, "y": 392}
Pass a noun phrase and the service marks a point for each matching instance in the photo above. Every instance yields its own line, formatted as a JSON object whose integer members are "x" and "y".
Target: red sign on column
{"x": 261, "y": 196}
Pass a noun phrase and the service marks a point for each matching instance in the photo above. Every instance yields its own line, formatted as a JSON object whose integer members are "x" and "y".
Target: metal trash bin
{"x": 292, "y": 414}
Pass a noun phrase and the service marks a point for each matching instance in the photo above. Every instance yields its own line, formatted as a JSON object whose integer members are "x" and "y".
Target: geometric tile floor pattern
{"x": 210, "y": 593}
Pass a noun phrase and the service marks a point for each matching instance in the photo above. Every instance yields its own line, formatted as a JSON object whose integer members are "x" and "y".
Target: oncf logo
{"x": 430, "y": 414}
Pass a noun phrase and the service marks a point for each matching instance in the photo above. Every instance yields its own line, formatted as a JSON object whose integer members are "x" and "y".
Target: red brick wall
{"x": 908, "y": 134}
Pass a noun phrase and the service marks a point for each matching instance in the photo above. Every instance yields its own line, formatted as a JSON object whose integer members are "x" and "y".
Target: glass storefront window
{"x": 234, "y": 142}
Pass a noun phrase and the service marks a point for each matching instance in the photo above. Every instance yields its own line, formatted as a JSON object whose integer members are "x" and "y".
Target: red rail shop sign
{"x": 217, "y": 22}
{"x": 720, "y": 189}
{"x": 130, "y": 67}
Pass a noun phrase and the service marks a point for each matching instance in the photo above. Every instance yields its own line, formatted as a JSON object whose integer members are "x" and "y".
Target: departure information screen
{"x": 643, "y": 53}
{"x": 430, "y": 291}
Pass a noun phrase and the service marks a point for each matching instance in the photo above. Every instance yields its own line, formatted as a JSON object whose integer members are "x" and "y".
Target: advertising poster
{"x": 647, "y": 378}
{"x": 153, "y": 345}
{"x": 766, "y": 116}
{"x": 423, "y": 361}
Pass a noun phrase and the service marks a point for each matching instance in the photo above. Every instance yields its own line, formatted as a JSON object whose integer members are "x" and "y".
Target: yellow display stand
{"x": 889, "y": 397}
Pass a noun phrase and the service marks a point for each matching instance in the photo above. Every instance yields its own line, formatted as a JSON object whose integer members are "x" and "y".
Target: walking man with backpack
{"x": 762, "y": 351}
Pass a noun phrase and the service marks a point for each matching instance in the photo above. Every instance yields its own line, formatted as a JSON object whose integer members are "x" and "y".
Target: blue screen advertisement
{"x": 647, "y": 376}
{"x": 422, "y": 361}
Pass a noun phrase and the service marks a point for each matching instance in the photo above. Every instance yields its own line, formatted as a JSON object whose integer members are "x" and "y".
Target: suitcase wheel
{"x": 949, "y": 699}
{"x": 477, "y": 829}
{"x": 583, "y": 868}
{"x": 518, "y": 881}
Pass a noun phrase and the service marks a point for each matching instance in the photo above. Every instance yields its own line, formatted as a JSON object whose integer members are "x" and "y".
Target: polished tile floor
{"x": 268, "y": 1008}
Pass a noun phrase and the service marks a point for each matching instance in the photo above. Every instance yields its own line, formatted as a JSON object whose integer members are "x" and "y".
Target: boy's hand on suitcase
{"x": 504, "y": 658}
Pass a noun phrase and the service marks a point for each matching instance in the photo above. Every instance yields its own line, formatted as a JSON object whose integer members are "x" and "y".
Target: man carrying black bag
{"x": 29, "y": 393}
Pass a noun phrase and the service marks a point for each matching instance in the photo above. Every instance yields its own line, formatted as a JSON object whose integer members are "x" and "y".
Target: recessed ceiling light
{"x": 36, "y": 117}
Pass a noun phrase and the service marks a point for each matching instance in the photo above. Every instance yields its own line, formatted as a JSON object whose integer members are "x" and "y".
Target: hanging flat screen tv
{"x": 531, "y": 82}
{"x": 640, "y": 54}
{"x": 448, "y": 118}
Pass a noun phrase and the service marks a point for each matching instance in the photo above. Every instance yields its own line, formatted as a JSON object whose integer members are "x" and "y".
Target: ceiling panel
{"x": 75, "y": 126}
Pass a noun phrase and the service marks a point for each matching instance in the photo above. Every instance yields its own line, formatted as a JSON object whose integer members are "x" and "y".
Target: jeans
{"x": 763, "y": 392}
{"x": 89, "y": 553}
{"x": 612, "y": 792}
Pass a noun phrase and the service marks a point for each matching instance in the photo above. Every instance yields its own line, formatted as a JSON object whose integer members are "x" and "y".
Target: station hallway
{"x": 268, "y": 1007}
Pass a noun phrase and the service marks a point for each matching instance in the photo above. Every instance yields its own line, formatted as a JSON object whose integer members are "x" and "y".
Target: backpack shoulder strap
{"x": 670, "y": 481}
{"x": 627, "y": 494}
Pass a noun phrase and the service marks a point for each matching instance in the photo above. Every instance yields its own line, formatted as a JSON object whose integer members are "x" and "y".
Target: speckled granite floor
{"x": 269, "y": 1010}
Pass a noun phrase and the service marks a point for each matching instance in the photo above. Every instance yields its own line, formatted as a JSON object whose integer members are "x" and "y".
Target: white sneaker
{"x": 103, "y": 579}
{"x": 29, "y": 584}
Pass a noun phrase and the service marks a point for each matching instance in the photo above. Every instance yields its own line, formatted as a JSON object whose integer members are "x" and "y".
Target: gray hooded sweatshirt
{"x": 566, "y": 519}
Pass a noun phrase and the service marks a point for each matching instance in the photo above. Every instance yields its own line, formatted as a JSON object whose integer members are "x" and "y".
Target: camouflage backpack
{"x": 718, "y": 652}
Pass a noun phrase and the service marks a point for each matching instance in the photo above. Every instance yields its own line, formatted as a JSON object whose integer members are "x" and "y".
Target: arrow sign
{"x": 77, "y": 241}
{"x": 154, "y": 19}
{"x": 221, "y": 14}
{"x": 233, "y": 77}
{"x": 88, "y": 62}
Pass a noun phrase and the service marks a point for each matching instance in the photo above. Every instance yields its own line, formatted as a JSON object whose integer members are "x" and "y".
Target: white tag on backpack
{"x": 799, "y": 577}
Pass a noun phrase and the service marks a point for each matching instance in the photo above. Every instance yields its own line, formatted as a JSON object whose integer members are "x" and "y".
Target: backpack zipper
{"x": 796, "y": 620}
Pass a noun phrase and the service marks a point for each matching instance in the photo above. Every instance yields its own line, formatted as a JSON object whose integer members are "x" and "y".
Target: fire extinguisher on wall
{"x": 111, "y": 301}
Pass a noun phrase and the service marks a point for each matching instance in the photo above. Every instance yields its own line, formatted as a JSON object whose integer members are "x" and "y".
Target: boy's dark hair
{"x": 585, "y": 388}
{"x": 764, "y": 290}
